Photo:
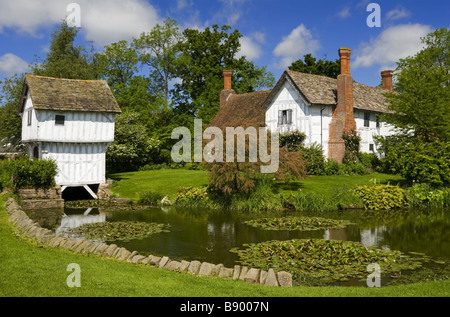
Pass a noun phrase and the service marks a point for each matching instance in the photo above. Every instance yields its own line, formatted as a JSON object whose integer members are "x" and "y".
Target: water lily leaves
{"x": 121, "y": 230}
{"x": 297, "y": 223}
{"x": 318, "y": 260}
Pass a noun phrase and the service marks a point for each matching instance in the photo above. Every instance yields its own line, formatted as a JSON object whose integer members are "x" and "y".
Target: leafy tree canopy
{"x": 421, "y": 103}
{"x": 311, "y": 65}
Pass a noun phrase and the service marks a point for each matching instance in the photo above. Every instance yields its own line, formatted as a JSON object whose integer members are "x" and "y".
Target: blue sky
{"x": 275, "y": 33}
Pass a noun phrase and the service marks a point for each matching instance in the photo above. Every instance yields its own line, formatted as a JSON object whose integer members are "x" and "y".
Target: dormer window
{"x": 284, "y": 117}
{"x": 59, "y": 119}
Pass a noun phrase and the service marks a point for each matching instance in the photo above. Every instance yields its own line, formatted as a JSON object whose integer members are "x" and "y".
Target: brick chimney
{"x": 386, "y": 76}
{"x": 342, "y": 120}
{"x": 227, "y": 91}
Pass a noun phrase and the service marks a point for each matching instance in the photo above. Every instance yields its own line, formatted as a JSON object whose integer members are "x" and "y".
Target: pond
{"x": 209, "y": 235}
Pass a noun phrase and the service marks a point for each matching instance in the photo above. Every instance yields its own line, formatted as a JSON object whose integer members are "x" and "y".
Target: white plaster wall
{"x": 367, "y": 134}
{"x": 305, "y": 118}
{"x": 78, "y": 163}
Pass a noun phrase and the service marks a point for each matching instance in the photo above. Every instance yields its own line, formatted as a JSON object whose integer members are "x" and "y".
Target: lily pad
{"x": 121, "y": 230}
{"x": 315, "y": 261}
{"x": 297, "y": 223}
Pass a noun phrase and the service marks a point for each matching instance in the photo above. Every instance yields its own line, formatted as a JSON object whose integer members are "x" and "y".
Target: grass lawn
{"x": 27, "y": 269}
{"x": 167, "y": 182}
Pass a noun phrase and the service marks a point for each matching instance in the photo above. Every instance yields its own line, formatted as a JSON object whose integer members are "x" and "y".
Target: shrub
{"x": 28, "y": 173}
{"x": 332, "y": 167}
{"x": 376, "y": 197}
{"x": 351, "y": 140}
{"x": 418, "y": 161}
{"x": 353, "y": 169}
{"x": 150, "y": 198}
{"x": 370, "y": 161}
{"x": 293, "y": 140}
{"x": 424, "y": 194}
{"x": 193, "y": 197}
{"x": 315, "y": 161}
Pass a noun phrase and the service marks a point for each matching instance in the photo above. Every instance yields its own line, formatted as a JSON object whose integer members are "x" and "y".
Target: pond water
{"x": 208, "y": 235}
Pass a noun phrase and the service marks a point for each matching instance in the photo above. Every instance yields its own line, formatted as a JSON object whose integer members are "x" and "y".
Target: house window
{"x": 366, "y": 119}
{"x": 284, "y": 117}
{"x": 29, "y": 116}
{"x": 378, "y": 122}
{"x": 59, "y": 119}
{"x": 371, "y": 148}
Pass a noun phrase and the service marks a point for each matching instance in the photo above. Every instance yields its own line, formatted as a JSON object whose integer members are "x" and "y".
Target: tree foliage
{"x": 311, "y": 65}
{"x": 11, "y": 123}
{"x": 67, "y": 60}
{"x": 204, "y": 55}
{"x": 420, "y": 106}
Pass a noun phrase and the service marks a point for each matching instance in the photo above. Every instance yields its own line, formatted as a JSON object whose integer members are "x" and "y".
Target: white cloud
{"x": 392, "y": 44}
{"x": 102, "y": 21}
{"x": 107, "y": 21}
{"x": 249, "y": 48}
{"x": 298, "y": 43}
{"x": 397, "y": 14}
{"x": 11, "y": 64}
{"x": 344, "y": 13}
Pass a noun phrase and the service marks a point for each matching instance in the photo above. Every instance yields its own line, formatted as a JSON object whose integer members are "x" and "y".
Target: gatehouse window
{"x": 59, "y": 119}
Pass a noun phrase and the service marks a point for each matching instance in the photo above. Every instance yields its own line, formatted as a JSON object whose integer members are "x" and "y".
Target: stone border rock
{"x": 85, "y": 247}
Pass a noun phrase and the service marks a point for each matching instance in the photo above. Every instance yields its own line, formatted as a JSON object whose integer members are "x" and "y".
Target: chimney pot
{"x": 227, "y": 91}
{"x": 227, "y": 79}
{"x": 344, "y": 54}
{"x": 386, "y": 76}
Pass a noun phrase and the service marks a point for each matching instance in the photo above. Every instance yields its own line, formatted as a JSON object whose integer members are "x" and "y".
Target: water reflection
{"x": 206, "y": 235}
{"x": 73, "y": 221}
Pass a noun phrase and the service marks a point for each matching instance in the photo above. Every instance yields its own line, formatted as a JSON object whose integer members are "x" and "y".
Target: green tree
{"x": 204, "y": 55}
{"x": 159, "y": 50}
{"x": 132, "y": 147}
{"x": 11, "y": 123}
{"x": 317, "y": 67}
{"x": 420, "y": 106}
{"x": 65, "y": 59}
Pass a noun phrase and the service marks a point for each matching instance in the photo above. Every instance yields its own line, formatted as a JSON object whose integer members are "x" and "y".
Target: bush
{"x": 315, "y": 161}
{"x": 417, "y": 161}
{"x": 193, "y": 197}
{"x": 370, "y": 161}
{"x": 28, "y": 173}
{"x": 424, "y": 194}
{"x": 150, "y": 198}
{"x": 293, "y": 141}
{"x": 376, "y": 197}
{"x": 353, "y": 169}
{"x": 332, "y": 167}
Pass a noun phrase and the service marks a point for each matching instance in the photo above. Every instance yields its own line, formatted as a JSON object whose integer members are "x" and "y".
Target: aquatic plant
{"x": 297, "y": 223}
{"x": 121, "y": 230}
{"x": 317, "y": 261}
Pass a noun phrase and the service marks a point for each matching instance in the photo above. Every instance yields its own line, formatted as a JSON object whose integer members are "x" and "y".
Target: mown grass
{"x": 31, "y": 270}
{"x": 167, "y": 182}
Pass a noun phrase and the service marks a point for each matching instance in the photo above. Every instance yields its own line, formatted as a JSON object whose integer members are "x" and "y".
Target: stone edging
{"x": 35, "y": 231}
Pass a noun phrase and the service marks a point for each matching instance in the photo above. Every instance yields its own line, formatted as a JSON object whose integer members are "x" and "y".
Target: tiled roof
{"x": 322, "y": 90}
{"x": 242, "y": 110}
{"x": 49, "y": 93}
